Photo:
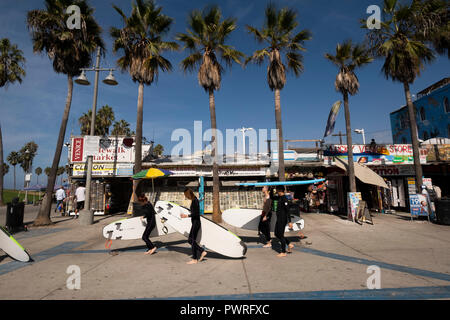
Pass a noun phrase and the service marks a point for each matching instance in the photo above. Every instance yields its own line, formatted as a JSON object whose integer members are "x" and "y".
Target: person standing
{"x": 60, "y": 197}
{"x": 264, "y": 222}
{"x": 80, "y": 196}
{"x": 197, "y": 252}
{"x": 149, "y": 214}
{"x": 282, "y": 220}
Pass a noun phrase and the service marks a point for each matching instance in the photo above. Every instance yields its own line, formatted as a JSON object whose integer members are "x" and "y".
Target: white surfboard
{"x": 133, "y": 228}
{"x": 248, "y": 219}
{"x": 213, "y": 236}
{"x": 12, "y": 248}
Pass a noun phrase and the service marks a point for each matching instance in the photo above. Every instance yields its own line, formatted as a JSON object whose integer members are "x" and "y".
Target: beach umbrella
{"x": 151, "y": 173}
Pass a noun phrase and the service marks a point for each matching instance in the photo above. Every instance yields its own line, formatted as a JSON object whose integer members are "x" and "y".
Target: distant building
{"x": 432, "y": 115}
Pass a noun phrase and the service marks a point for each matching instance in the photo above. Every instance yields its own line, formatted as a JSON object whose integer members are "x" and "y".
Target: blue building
{"x": 432, "y": 115}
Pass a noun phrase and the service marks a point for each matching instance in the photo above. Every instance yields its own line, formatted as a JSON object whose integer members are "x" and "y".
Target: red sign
{"x": 77, "y": 153}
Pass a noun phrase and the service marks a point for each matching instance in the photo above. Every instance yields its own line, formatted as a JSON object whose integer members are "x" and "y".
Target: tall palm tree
{"x": 69, "y": 50}
{"x": 38, "y": 172}
{"x": 142, "y": 44}
{"x": 121, "y": 128}
{"x": 14, "y": 159}
{"x": 205, "y": 39}
{"x": 406, "y": 49}
{"x": 11, "y": 70}
{"x": 85, "y": 123}
{"x": 348, "y": 57}
{"x": 279, "y": 33}
{"x": 105, "y": 117}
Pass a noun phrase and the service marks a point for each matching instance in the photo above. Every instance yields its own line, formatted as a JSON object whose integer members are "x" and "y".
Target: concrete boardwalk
{"x": 414, "y": 258}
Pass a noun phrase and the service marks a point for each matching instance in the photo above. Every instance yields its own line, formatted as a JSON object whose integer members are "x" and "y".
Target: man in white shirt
{"x": 80, "y": 195}
{"x": 60, "y": 197}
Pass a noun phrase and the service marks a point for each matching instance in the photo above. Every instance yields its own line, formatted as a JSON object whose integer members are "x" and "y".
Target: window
{"x": 446, "y": 105}
{"x": 425, "y": 136}
{"x": 422, "y": 114}
{"x": 448, "y": 131}
{"x": 404, "y": 139}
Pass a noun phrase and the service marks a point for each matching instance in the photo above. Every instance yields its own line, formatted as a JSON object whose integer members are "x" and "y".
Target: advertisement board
{"x": 418, "y": 205}
{"x": 104, "y": 170}
{"x": 353, "y": 199}
{"x": 398, "y": 154}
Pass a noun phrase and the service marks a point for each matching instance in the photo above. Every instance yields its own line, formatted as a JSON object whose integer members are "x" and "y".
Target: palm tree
{"x": 11, "y": 70}
{"x": 278, "y": 32}
{"x": 47, "y": 172}
{"x": 121, "y": 128}
{"x": 141, "y": 41}
{"x": 348, "y": 57}
{"x": 60, "y": 172}
{"x": 38, "y": 172}
{"x": 405, "y": 49}
{"x": 14, "y": 159}
{"x": 105, "y": 118}
{"x": 206, "y": 41}
{"x": 69, "y": 50}
{"x": 5, "y": 168}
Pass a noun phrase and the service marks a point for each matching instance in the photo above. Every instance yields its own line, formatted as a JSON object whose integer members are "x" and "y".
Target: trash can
{"x": 14, "y": 215}
{"x": 443, "y": 211}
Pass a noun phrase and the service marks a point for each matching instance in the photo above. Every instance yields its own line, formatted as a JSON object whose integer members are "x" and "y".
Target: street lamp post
{"x": 361, "y": 131}
{"x": 87, "y": 215}
{"x": 244, "y": 130}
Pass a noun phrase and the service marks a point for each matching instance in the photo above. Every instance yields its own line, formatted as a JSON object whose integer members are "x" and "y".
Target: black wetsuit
{"x": 282, "y": 220}
{"x": 264, "y": 226}
{"x": 196, "y": 225}
{"x": 149, "y": 213}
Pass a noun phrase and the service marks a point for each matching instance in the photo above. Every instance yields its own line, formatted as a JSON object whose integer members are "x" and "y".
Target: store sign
{"x": 376, "y": 155}
{"x": 438, "y": 153}
{"x": 103, "y": 150}
{"x": 386, "y": 171}
{"x": 223, "y": 172}
{"x": 104, "y": 169}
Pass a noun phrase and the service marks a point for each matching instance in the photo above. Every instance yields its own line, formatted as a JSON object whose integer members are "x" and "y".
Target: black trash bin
{"x": 14, "y": 215}
{"x": 443, "y": 211}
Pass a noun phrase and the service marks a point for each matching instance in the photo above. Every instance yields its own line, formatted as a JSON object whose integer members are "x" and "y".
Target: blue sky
{"x": 32, "y": 111}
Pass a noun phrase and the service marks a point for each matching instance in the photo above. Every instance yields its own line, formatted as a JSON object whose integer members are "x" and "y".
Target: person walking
{"x": 60, "y": 197}
{"x": 198, "y": 254}
{"x": 80, "y": 196}
{"x": 149, "y": 214}
{"x": 282, "y": 220}
{"x": 264, "y": 222}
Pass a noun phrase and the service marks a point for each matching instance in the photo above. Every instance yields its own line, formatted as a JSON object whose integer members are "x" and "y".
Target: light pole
{"x": 87, "y": 215}
{"x": 244, "y": 130}
{"x": 361, "y": 131}
{"x": 27, "y": 159}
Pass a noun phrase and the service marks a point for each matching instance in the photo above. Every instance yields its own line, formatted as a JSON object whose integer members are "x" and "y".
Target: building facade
{"x": 432, "y": 115}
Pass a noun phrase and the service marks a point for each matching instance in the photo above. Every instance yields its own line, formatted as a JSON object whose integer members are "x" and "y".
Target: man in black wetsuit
{"x": 149, "y": 213}
{"x": 282, "y": 220}
{"x": 197, "y": 252}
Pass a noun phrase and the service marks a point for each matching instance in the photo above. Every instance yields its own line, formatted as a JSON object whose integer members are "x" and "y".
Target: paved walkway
{"x": 331, "y": 263}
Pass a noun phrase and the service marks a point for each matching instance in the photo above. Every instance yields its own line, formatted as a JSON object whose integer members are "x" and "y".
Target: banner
{"x": 332, "y": 118}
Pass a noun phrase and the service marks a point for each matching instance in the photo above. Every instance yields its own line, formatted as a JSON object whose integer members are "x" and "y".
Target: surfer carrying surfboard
{"x": 282, "y": 220}
{"x": 197, "y": 252}
{"x": 149, "y": 214}
{"x": 264, "y": 222}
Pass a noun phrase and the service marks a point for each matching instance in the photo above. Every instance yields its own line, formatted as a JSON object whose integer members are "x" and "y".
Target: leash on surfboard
{"x": 108, "y": 241}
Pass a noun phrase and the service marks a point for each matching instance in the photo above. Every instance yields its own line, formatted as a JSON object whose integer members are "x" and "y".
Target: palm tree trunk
{"x": 217, "y": 217}
{"x": 14, "y": 178}
{"x": 43, "y": 217}
{"x": 281, "y": 169}
{"x": 138, "y": 145}
{"x": 348, "y": 128}
{"x": 414, "y": 138}
{"x": 1, "y": 167}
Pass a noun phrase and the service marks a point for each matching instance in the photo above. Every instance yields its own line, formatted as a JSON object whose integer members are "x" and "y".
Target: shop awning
{"x": 363, "y": 173}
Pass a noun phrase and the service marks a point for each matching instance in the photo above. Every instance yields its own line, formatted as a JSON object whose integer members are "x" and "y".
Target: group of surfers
{"x": 198, "y": 253}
